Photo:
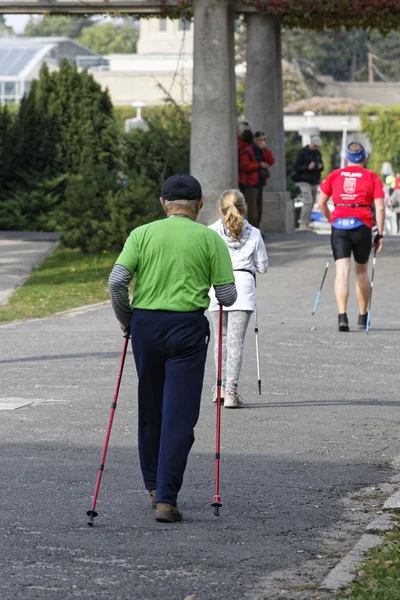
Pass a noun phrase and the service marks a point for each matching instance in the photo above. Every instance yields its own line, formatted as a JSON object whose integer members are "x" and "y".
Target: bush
{"x": 330, "y": 151}
{"x": 162, "y": 150}
{"x": 99, "y": 213}
{"x": 381, "y": 124}
{"x": 162, "y": 113}
{"x": 37, "y": 206}
{"x": 86, "y": 211}
{"x": 131, "y": 206}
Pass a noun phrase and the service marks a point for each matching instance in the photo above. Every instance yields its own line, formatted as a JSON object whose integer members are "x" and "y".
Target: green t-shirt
{"x": 176, "y": 262}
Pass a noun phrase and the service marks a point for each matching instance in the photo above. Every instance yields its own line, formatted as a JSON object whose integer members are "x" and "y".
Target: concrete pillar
{"x": 213, "y": 131}
{"x": 232, "y": 79}
{"x": 264, "y": 110}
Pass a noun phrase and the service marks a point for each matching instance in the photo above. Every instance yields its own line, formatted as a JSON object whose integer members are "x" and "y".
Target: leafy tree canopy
{"x": 5, "y": 30}
{"x": 57, "y": 25}
{"x": 383, "y": 15}
{"x": 342, "y": 54}
{"x": 381, "y": 124}
{"x": 108, "y": 38}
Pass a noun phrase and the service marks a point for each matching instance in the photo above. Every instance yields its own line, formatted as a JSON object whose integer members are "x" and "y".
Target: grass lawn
{"x": 379, "y": 576}
{"x": 65, "y": 279}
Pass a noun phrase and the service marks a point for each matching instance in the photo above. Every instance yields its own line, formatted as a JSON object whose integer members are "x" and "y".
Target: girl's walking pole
{"x": 216, "y": 504}
{"x": 257, "y": 347}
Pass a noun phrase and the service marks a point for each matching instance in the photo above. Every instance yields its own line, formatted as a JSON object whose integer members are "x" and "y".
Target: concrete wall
{"x": 126, "y": 87}
{"x": 164, "y": 35}
{"x": 372, "y": 93}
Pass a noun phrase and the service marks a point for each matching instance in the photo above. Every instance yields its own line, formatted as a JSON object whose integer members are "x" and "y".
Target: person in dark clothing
{"x": 245, "y": 140}
{"x": 307, "y": 173}
{"x": 255, "y": 162}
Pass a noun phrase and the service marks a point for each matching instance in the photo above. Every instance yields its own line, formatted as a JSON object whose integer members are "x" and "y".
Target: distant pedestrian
{"x": 175, "y": 261}
{"x": 354, "y": 190}
{"x": 248, "y": 254}
{"x": 245, "y": 141}
{"x": 307, "y": 173}
{"x": 394, "y": 201}
{"x": 255, "y": 162}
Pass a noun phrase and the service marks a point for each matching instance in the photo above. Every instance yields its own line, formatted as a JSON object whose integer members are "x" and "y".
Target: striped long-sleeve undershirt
{"x": 118, "y": 286}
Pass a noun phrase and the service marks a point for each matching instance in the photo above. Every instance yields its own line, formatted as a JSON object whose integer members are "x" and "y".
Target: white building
{"x": 162, "y": 66}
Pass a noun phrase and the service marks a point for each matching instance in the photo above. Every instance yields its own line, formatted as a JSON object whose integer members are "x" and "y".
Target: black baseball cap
{"x": 182, "y": 187}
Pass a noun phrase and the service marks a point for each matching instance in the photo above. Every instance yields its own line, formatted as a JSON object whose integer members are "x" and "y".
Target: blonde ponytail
{"x": 232, "y": 203}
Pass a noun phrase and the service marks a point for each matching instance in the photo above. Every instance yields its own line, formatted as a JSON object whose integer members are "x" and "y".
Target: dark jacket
{"x": 301, "y": 171}
{"x": 250, "y": 160}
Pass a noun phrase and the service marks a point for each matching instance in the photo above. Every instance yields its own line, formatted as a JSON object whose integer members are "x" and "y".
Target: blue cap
{"x": 182, "y": 187}
{"x": 356, "y": 157}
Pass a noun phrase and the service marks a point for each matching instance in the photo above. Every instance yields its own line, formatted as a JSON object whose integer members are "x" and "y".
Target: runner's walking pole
{"x": 370, "y": 293}
{"x": 92, "y": 512}
{"x": 257, "y": 347}
{"x": 216, "y": 504}
{"x": 322, "y": 283}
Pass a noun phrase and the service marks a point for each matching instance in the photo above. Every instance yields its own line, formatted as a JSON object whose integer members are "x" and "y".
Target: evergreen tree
{"x": 65, "y": 127}
{"x": 8, "y": 155}
{"x": 38, "y": 130}
{"x": 87, "y": 130}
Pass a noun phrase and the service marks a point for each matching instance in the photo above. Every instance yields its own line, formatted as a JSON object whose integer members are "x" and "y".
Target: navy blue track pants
{"x": 170, "y": 350}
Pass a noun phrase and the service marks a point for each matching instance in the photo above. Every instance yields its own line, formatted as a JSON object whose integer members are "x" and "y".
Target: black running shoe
{"x": 362, "y": 322}
{"x": 343, "y": 322}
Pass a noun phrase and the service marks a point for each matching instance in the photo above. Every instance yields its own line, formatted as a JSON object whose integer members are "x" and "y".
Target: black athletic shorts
{"x": 346, "y": 241}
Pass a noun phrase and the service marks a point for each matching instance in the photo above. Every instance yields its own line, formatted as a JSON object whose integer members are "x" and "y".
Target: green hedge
{"x": 382, "y": 125}
{"x": 67, "y": 165}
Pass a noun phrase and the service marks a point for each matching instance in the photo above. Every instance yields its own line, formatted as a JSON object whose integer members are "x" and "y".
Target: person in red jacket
{"x": 245, "y": 140}
{"x": 354, "y": 190}
{"x": 255, "y": 162}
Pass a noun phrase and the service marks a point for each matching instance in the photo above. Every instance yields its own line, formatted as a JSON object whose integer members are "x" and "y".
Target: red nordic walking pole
{"x": 92, "y": 512}
{"x": 217, "y": 498}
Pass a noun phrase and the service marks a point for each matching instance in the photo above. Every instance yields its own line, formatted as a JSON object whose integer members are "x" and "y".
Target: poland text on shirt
{"x": 349, "y": 174}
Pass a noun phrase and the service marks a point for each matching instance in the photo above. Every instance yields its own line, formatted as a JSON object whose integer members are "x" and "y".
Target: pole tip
{"x": 216, "y": 505}
{"x": 91, "y": 514}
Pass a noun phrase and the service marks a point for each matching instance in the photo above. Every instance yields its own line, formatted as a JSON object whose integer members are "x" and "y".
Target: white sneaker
{"x": 233, "y": 400}
{"x": 215, "y": 394}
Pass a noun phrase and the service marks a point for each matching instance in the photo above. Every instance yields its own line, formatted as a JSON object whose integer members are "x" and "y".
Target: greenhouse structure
{"x": 22, "y": 57}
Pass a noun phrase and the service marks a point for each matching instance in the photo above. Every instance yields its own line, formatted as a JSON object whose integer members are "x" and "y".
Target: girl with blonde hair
{"x": 249, "y": 256}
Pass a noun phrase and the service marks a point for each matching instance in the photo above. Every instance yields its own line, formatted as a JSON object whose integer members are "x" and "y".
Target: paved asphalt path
{"x": 326, "y": 426}
{"x": 20, "y": 252}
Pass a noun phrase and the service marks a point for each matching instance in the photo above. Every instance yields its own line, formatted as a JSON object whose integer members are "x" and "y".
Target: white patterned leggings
{"x": 234, "y": 328}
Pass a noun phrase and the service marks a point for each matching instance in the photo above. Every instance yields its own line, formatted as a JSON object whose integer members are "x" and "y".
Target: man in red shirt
{"x": 354, "y": 190}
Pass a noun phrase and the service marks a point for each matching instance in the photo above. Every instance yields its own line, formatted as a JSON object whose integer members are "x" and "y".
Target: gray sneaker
{"x": 233, "y": 400}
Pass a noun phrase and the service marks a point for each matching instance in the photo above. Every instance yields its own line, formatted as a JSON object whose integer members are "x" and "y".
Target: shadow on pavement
{"x": 349, "y": 402}
{"x": 47, "y": 550}
{"x": 62, "y": 357}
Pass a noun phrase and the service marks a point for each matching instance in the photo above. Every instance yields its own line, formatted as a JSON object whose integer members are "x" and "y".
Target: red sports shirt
{"x": 353, "y": 185}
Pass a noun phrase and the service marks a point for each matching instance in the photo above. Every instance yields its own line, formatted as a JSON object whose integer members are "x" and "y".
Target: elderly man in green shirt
{"x": 176, "y": 261}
